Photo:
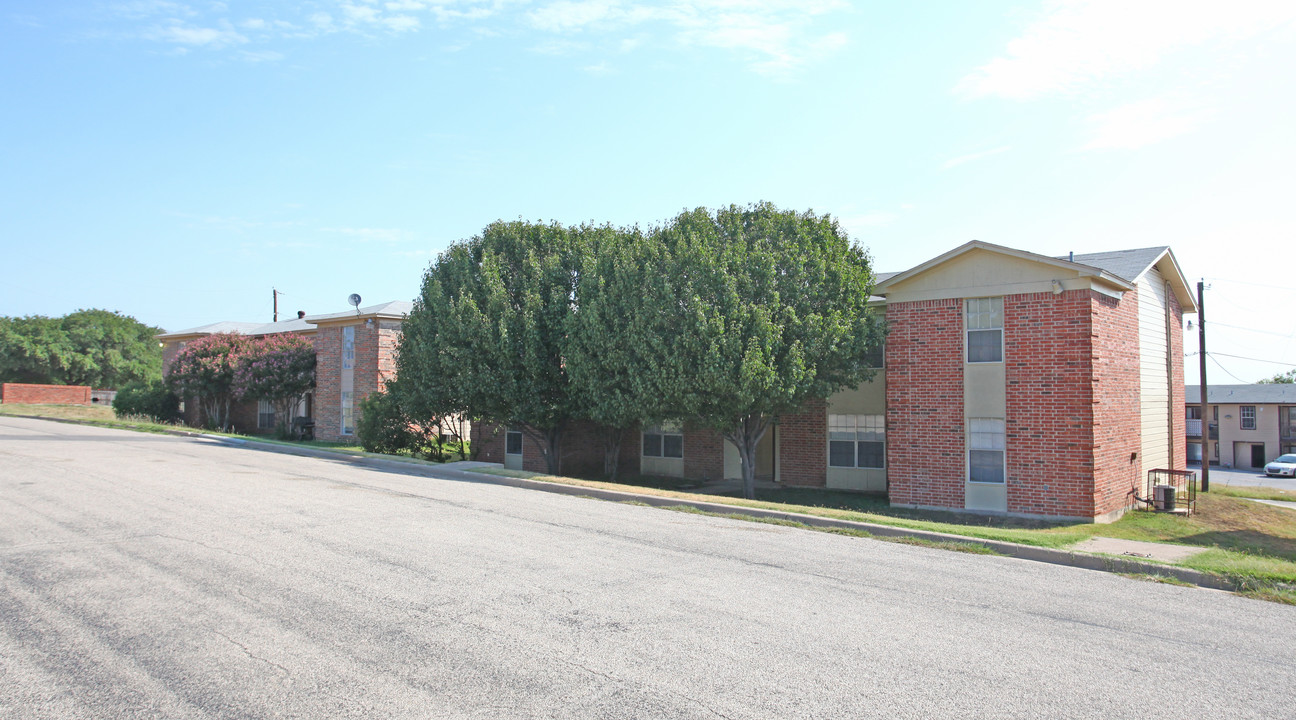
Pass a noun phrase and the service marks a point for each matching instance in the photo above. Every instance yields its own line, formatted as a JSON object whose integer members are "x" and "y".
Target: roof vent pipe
{"x": 1072, "y": 257}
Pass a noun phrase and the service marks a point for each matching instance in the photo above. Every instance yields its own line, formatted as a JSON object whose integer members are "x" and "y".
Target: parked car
{"x": 1282, "y": 466}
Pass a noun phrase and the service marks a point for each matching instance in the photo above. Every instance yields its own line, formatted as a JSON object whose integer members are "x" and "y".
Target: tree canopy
{"x": 279, "y": 369}
{"x": 98, "y": 348}
{"x": 1281, "y": 378}
{"x": 204, "y": 369}
{"x": 773, "y": 312}
{"x": 724, "y": 319}
{"x": 487, "y": 333}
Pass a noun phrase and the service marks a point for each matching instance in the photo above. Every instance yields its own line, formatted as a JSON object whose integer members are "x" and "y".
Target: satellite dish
{"x": 354, "y": 300}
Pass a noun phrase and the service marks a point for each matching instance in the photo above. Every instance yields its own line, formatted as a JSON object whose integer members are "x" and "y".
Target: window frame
{"x": 980, "y": 316}
{"x": 865, "y": 429}
{"x": 992, "y": 437}
{"x": 665, "y": 436}
{"x": 1244, "y": 417}
{"x": 509, "y": 435}
{"x": 265, "y": 409}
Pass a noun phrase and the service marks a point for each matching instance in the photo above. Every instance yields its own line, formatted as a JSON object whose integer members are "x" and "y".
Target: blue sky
{"x": 177, "y": 160}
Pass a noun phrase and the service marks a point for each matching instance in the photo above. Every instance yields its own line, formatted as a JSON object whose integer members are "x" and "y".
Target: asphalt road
{"x": 1225, "y": 477}
{"x": 152, "y": 576}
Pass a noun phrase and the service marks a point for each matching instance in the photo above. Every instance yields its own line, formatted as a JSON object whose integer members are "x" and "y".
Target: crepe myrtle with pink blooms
{"x": 279, "y": 369}
{"x": 204, "y": 370}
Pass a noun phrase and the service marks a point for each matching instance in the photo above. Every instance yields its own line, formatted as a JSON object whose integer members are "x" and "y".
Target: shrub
{"x": 150, "y": 399}
{"x": 383, "y": 428}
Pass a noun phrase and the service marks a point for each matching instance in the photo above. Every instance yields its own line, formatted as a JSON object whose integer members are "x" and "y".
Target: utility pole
{"x": 1201, "y": 357}
{"x": 276, "y": 304}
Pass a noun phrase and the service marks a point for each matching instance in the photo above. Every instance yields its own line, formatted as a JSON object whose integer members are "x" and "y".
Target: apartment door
{"x": 766, "y": 458}
{"x": 1258, "y": 456}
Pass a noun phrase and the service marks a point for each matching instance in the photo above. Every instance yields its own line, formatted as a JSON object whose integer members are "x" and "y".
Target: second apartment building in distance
{"x": 1012, "y": 383}
{"x": 1249, "y": 425}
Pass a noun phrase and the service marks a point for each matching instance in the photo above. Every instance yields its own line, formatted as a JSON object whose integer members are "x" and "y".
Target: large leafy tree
{"x": 771, "y": 310}
{"x": 205, "y": 369}
{"x": 279, "y": 369}
{"x": 487, "y": 333}
{"x": 620, "y": 354}
{"x": 98, "y": 348}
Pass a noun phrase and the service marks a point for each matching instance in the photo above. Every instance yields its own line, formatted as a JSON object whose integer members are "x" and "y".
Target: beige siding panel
{"x": 664, "y": 467}
{"x": 867, "y": 399}
{"x": 1154, "y": 385}
{"x": 985, "y": 395}
{"x": 861, "y": 479}
{"x": 513, "y": 462}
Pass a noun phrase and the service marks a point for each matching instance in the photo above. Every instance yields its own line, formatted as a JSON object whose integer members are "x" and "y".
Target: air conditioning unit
{"x": 1163, "y": 498}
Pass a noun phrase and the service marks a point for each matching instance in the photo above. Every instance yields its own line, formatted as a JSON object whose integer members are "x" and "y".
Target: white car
{"x": 1282, "y": 466}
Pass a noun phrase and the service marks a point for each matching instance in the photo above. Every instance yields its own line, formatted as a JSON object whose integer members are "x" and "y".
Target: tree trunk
{"x": 746, "y": 437}
{"x": 549, "y": 440}
{"x": 612, "y": 453}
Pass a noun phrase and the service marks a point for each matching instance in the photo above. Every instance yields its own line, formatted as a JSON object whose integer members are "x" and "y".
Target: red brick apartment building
{"x": 1013, "y": 383}
{"x": 355, "y": 355}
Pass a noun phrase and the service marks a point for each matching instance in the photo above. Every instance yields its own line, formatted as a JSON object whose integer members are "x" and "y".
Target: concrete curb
{"x": 1102, "y": 563}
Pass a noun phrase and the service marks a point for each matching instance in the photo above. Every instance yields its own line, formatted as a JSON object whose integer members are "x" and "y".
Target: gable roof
{"x": 1258, "y": 394}
{"x": 1083, "y": 269}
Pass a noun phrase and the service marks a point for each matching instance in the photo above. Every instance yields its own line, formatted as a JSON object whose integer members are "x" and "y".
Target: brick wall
{"x": 924, "y": 388}
{"x": 1118, "y": 435}
{"x": 328, "y": 382}
{"x": 1050, "y": 448}
{"x": 28, "y": 393}
{"x": 803, "y": 445}
{"x": 703, "y": 453}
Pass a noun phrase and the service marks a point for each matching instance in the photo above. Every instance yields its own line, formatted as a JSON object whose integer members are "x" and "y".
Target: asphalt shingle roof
{"x": 1258, "y": 394}
{"x": 1124, "y": 264}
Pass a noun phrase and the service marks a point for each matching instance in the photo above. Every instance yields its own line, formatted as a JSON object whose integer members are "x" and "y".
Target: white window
{"x": 665, "y": 440}
{"x": 986, "y": 442}
{"x": 265, "y": 414}
{"x": 513, "y": 442}
{"x": 1248, "y": 417}
{"x": 984, "y": 329}
{"x": 857, "y": 441}
{"x": 348, "y": 380}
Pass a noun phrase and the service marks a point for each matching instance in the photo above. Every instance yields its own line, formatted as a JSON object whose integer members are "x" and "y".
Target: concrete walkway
{"x": 1137, "y": 549}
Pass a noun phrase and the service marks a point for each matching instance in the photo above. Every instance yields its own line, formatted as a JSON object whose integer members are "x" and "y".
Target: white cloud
{"x": 1143, "y": 123}
{"x": 776, "y": 35}
{"x": 187, "y": 35}
{"x": 1076, "y": 43}
{"x": 954, "y": 162}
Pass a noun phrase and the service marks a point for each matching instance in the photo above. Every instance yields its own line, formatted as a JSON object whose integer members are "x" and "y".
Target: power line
{"x": 1251, "y": 284}
{"x": 1221, "y": 367}
{"x": 1239, "y": 327}
{"x": 1239, "y": 357}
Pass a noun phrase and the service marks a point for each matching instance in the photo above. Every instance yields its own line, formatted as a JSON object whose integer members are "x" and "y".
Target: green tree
{"x": 620, "y": 354}
{"x": 486, "y": 337}
{"x": 1281, "y": 378}
{"x": 771, "y": 310}
{"x": 279, "y": 369}
{"x": 98, "y": 348}
{"x": 204, "y": 370}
